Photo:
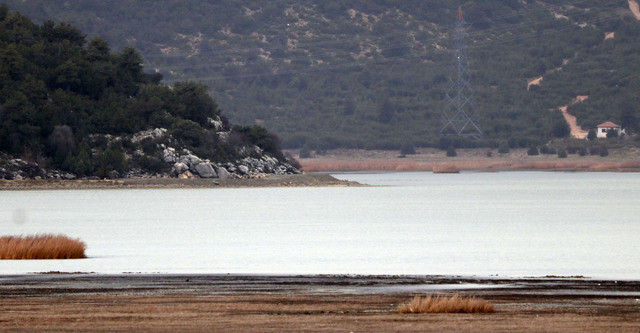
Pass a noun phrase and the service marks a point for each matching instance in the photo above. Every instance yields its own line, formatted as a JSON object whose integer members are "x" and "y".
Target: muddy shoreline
{"x": 299, "y": 180}
{"x": 57, "y": 284}
{"x": 316, "y": 303}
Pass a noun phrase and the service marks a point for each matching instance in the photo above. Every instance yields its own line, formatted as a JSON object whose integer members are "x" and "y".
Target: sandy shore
{"x": 313, "y": 179}
{"x": 231, "y": 303}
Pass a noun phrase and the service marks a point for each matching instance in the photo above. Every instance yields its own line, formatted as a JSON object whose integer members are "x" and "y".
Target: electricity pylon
{"x": 460, "y": 115}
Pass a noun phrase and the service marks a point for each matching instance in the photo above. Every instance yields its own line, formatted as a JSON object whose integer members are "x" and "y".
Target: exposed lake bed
{"x": 125, "y": 302}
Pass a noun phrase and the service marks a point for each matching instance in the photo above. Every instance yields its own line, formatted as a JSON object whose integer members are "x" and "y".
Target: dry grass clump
{"x": 444, "y": 304}
{"x": 45, "y": 246}
{"x": 446, "y": 168}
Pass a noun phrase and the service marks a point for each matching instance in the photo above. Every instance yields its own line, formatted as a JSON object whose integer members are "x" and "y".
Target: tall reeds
{"x": 46, "y": 246}
{"x": 444, "y": 304}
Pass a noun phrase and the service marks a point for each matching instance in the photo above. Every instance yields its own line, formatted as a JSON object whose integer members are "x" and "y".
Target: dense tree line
{"x": 74, "y": 105}
{"x": 373, "y": 74}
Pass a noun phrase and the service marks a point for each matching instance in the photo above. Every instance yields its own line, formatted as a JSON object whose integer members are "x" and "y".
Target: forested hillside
{"x": 373, "y": 74}
{"x": 73, "y": 105}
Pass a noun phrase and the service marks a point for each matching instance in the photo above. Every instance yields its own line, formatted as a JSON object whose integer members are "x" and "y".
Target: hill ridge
{"x": 372, "y": 74}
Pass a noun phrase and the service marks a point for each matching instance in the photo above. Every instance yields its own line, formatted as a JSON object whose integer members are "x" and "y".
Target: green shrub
{"x": 503, "y": 148}
{"x": 582, "y": 151}
{"x": 152, "y": 164}
{"x": 544, "y": 150}
{"x": 560, "y": 129}
{"x": 451, "y": 152}
{"x": 562, "y": 153}
{"x": 407, "y": 149}
{"x": 604, "y": 152}
{"x": 305, "y": 151}
{"x": 533, "y": 151}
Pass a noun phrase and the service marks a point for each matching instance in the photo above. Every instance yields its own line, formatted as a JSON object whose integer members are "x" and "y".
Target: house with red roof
{"x": 604, "y": 128}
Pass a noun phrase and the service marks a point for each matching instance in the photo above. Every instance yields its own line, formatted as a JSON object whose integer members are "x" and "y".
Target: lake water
{"x": 510, "y": 224}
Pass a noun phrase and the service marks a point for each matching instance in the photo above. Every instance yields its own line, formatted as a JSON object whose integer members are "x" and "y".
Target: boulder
{"x": 186, "y": 175}
{"x": 190, "y": 160}
{"x": 178, "y": 169}
{"x": 222, "y": 172}
{"x": 216, "y": 123}
{"x": 169, "y": 155}
{"x": 70, "y": 176}
{"x": 243, "y": 169}
{"x": 231, "y": 167}
{"x": 153, "y": 134}
{"x": 223, "y": 136}
{"x": 205, "y": 170}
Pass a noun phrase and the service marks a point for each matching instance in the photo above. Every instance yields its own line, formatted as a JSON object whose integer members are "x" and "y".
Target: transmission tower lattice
{"x": 460, "y": 115}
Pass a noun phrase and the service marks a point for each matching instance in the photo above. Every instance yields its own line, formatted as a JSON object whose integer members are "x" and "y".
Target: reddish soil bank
{"x": 309, "y": 303}
{"x": 468, "y": 159}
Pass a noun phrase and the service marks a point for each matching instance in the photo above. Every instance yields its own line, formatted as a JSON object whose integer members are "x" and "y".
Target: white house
{"x": 604, "y": 128}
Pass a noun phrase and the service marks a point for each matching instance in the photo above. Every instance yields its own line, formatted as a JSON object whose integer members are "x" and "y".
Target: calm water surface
{"x": 507, "y": 224}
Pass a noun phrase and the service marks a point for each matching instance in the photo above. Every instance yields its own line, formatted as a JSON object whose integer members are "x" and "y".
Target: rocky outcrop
{"x": 152, "y": 134}
{"x": 246, "y": 167}
{"x": 181, "y": 163}
{"x": 18, "y": 169}
{"x": 169, "y": 155}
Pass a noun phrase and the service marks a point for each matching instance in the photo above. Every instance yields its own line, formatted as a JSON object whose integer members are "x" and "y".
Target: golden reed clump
{"x": 45, "y": 246}
{"x": 444, "y": 304}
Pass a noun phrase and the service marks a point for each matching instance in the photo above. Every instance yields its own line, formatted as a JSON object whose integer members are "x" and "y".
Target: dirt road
{"x": 635, "y": 8}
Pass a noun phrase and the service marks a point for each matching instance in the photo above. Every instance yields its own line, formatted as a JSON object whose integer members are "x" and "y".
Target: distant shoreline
{"x": 318, "y": 167}
{"x": 481, "y": 166}
{"x": 318, "y": 174}
{"x": 298, "y": 180}
{"x": 345, "y": 160}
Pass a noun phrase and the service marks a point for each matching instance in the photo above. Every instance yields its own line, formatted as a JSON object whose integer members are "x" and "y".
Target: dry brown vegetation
{"x": 444, "y": 304}
{"x": 468, "y": 159}
{"x": 45, "y": 246}
{"x": 353, "y": 165}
